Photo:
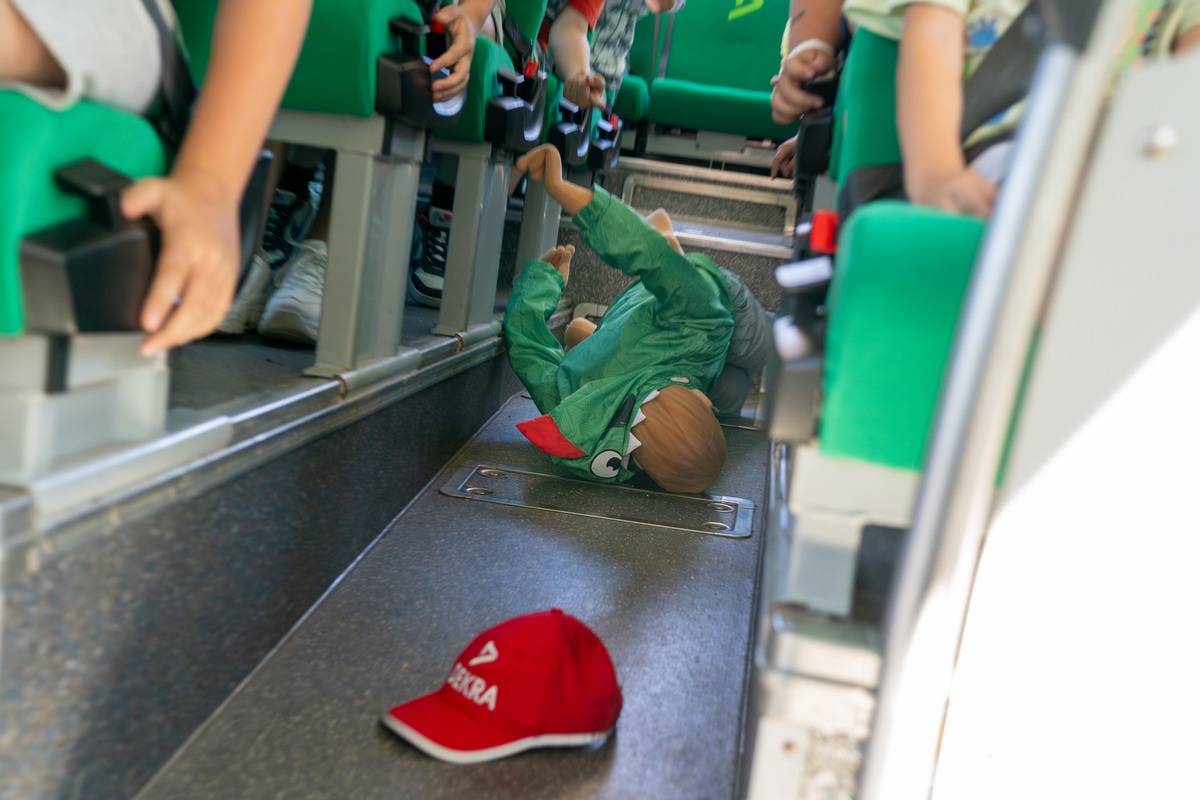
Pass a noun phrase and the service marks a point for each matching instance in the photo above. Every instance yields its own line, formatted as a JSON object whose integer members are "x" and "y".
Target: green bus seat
{"x": 719, "y": 69}
{"x": 489, "y": 58}
{"x": 632, "y": 103}
{"x": 335, "y": 72}
{"x": 865, "y": 109}
{"x": 900, "y": 277}
{"x": 36, "y": 141}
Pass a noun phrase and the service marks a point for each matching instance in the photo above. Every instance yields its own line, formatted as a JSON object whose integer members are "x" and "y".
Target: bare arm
{"x": 809, "y": 21}
{"x": 929, "y": 107}
{"x": 545, "y": 165}
{"x": 573, "y": 59}
{"x": 255, "y": 44}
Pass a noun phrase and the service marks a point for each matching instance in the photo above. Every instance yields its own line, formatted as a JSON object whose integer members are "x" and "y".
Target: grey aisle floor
{"x": 674, "y": 607}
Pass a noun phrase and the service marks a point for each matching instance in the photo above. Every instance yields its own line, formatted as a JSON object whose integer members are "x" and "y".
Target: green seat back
{"x": 632, "y": 102}
{"x": 36, "y": 141}
{"x": 901, "y": 276}
{"x": 720, "y": 62}
{"x": 643, "y": 55}
{"x": 865, "y": 111}
{"x": 335, "y": 72}
{"x": 733, "y": 44}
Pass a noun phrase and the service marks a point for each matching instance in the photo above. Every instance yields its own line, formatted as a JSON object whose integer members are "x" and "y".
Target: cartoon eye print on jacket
{"x": 607, "y": 464}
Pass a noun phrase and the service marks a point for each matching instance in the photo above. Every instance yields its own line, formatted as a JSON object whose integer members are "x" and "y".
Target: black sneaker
{"x": 290, "y": 219}
{"x": 427, "y": 275}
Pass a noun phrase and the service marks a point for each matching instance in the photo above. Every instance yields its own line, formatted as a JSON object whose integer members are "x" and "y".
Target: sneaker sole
{"x": 287, "y": 325}
{"x": 420, "y": 298}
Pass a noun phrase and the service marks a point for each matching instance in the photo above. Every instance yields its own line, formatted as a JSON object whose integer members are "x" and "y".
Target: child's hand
{"x": 785, "y": 159}
{"x": 197, "y": 269}
{"x": 585, "y": 90}
{"x": 560, "y": 258}
{"x": 963, "y": 192}
{"x": 788, "y": 98}
{"x": 462, "y": 30}
{"x": 540, "y": 160}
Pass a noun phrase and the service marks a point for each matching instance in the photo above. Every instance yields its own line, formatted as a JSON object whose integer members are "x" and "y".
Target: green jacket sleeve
{"x": 685, "y": 289}
{"x": 533, "y": 351}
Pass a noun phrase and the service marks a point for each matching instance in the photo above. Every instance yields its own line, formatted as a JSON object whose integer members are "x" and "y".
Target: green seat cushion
{"x": 335, "y": 72}
{"x": 865, "y": 130}
{"x": 633, "y": 101}
{"x": 901, "y": 276}
{"x": 722, "y": 109}
{"x": 36, "y": 141}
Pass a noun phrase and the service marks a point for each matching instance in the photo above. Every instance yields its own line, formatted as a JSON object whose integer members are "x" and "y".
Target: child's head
{"x": 682, "y": 446}
{"x": 662, "y": 223}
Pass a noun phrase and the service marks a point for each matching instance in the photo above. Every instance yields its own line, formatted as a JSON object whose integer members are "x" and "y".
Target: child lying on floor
{"x": 638, "y": 390}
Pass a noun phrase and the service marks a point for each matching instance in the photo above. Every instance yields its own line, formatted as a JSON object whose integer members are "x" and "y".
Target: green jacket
{"x": 671, "y": 325}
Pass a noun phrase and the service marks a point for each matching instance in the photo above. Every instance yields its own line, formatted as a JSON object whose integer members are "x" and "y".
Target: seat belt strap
{"x": 1003, "y": 77}
{"x": 178, "y": 91}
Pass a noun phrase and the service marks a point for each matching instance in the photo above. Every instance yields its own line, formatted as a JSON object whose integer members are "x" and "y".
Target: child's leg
{"x": 748, "y": 348}
{"x": 105, "y": 50}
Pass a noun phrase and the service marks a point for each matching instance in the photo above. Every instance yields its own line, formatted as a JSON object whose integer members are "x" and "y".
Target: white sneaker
{"x": 293, "y": 312}
{"x": 247, "y": 307}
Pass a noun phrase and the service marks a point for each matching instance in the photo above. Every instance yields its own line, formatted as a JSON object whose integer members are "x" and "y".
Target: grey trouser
{"x": 748, "y": 348}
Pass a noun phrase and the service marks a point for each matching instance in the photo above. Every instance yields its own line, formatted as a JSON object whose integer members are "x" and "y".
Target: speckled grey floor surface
{"x": 674, "y": 608}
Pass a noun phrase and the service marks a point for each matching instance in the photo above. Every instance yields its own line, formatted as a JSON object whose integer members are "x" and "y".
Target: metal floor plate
{"x": 512, "y": 486}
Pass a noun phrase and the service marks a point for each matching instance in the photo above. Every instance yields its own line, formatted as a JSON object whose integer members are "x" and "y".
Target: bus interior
{"x": 947, "y": 555}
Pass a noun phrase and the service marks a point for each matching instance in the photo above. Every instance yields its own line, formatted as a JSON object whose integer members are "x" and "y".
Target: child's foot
{"x": 560, "y": 258}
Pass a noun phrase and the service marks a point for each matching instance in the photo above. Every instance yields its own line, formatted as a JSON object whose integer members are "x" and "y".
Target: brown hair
{"x": 683, "y": 447}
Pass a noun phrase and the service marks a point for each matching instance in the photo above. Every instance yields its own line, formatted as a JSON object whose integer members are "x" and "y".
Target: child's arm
{"x": 929, "y": 106}
{"x": 533, "y": 352}
{"x": 573, "y": 58}
{"x": 255, "y": 44}
{"x": 463, "y": 21}
{"x": 814, "y": 32}
{"x": 627, "y": 242}
{"x": 544, "y": 164}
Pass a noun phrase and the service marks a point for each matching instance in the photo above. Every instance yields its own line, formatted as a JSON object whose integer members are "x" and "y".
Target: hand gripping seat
{"x": 712, "y": 97}
{"x": 360, "y": 88}
{"x": 73, "y": 275}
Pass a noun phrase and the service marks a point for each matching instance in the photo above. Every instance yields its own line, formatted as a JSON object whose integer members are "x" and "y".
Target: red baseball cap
{"x": 538, "y": 680}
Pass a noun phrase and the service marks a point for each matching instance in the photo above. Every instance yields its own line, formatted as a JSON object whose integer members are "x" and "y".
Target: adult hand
{"x": 197, "y": 269}
{"x": 788, "y": 98}
{"x": 462, "y": 29}
{"x": 963, "y": 192}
